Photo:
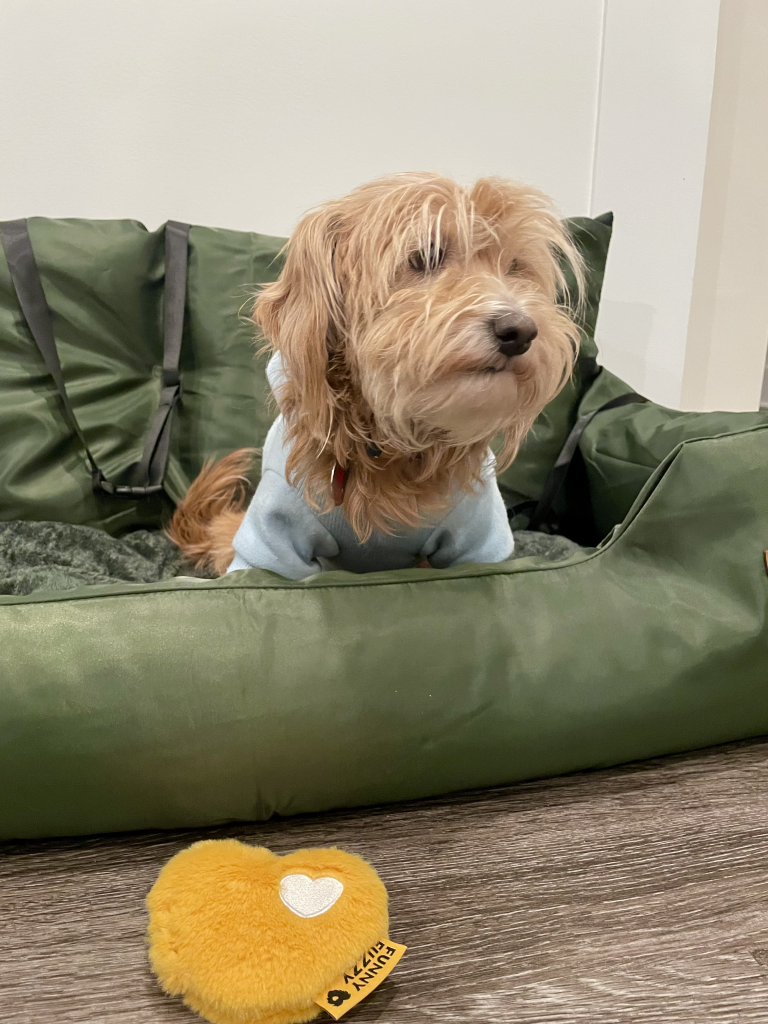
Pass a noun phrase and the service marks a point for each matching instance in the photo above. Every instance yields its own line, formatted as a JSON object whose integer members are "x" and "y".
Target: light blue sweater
{"x": 281, "y": 532}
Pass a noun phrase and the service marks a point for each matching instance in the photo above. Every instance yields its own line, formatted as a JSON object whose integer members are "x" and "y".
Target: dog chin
{"x": 474, "y": 406}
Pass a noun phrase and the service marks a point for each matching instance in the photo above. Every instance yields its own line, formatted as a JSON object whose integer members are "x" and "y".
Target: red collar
{"x": 338, "y": 483}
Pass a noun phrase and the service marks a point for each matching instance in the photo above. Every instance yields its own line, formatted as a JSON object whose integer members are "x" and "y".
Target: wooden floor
{"x": 628, "y": 896}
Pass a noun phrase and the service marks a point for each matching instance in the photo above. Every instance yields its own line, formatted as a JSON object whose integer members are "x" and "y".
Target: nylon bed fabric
{"x": 189, "y": 702}
{"x": 103, "y": 281}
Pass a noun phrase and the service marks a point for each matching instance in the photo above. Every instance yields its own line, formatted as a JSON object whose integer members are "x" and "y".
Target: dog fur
{"x": 383, "y": 317}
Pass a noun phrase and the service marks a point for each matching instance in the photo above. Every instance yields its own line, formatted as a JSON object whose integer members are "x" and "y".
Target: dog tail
{"x": 207, "y": 518}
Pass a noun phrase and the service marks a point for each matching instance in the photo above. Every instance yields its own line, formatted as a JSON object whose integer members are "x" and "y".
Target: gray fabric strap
{"x": 557, "y": 475}
{"x": 29, "y": 291}
{"x": 25, "y": 276}
{"x": 151, "y": 468}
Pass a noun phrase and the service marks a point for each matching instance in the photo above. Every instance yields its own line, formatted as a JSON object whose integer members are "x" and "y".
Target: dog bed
{"x": 188, "y": 701}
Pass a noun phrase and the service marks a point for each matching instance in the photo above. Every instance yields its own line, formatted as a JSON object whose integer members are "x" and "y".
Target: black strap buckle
{"x": 171, "y": 378}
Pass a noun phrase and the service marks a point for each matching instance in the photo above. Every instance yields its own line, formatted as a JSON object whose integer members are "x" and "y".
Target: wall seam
{"x": 598, "y": 110}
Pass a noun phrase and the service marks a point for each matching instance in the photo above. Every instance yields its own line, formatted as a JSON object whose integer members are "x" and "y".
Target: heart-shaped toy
{"x": 246, "y": 937}
{"x": 309, "y": 897}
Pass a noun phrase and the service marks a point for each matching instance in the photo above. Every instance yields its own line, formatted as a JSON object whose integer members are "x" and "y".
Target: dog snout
{"x": 514, "y": 332}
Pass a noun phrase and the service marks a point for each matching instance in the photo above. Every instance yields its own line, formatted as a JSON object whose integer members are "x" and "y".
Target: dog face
{"x": 421, "y": 317}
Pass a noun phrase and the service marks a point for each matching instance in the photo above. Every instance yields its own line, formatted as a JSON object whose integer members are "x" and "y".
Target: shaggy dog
{"x": 414, "y": 322}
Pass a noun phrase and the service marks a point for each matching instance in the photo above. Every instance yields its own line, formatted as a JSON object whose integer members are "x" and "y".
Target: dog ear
{"x": 301, "y": 317}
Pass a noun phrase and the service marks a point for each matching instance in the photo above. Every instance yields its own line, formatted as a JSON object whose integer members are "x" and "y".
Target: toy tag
{"x": 359, "y": 981}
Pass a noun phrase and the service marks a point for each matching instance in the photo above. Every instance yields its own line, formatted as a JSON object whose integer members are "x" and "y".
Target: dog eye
{"x": 424, "y": 261}
{"x": 514, "y": 267}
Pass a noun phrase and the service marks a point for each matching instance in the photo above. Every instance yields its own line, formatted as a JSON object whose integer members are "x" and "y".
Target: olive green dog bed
{"x": 189, "y": 702}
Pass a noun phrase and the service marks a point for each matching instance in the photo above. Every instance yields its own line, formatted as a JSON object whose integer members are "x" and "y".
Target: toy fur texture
{"x": 416, "y": 320}
{"x": 222, "y": 939}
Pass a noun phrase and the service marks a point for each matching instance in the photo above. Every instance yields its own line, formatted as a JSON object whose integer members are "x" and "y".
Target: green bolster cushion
{"x": 191, "y": 702}
{"x": 103, "y": 281}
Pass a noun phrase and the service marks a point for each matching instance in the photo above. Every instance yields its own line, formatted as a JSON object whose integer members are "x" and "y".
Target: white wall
{"x": 655, "y": 98}
{"x": 243, "y": 113}
{"x": 728, "y": 327}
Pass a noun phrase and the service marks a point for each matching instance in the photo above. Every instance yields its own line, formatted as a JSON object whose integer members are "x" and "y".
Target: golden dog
{"x": 416, "y": 321}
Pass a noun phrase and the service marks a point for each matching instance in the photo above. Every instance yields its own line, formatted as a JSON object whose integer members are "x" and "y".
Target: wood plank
{"x": 637, "y": 894}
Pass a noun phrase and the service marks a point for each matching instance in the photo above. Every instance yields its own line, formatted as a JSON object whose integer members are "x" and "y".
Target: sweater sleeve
{"x": 475, "y": 530}
{"x": 281, "y": 533}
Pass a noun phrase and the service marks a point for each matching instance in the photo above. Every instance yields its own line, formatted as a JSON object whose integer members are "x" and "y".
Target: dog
{"x": 414, "y": 322}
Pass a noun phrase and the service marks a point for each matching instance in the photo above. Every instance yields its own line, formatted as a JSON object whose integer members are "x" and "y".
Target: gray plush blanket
{"x": 58, "y": 556}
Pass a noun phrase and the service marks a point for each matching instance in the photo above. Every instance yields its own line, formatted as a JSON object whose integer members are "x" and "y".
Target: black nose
{"x": 514, "y": 333}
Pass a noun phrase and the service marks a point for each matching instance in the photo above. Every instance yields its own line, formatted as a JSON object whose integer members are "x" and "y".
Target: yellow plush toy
{"x": 247, "y": 937}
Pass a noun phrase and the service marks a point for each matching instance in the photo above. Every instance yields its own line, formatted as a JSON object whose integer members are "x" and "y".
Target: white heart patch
{"x": 309, "y": 897}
